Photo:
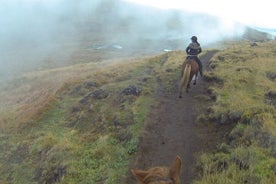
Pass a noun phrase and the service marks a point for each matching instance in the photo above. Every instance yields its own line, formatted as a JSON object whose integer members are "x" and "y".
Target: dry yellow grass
{"x": 246, "y": 75}
{"x": 43, "y": 120}
{"x": 33, "y": 93}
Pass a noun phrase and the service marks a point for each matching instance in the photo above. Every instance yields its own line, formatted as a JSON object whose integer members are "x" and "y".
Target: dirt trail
{"x": 171, "y": 130}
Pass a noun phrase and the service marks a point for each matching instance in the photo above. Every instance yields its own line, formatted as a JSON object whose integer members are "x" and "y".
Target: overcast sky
{"x": 254, "y": 13}
{"x": 38, "y": 33}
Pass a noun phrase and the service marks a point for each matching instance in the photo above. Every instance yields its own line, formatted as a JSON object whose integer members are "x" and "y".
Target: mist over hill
{"x": 48, "y": 34}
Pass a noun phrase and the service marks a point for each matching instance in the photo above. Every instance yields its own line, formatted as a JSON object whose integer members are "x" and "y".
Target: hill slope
{"x": 83, "y": 123}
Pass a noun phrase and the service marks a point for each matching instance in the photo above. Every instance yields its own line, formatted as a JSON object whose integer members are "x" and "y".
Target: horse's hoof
{"x": 180, "y": 96}
{"x": 194, "y": 83}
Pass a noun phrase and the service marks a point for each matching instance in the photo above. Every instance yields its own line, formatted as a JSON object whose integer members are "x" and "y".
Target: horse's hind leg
{"x": 195, "y": 77}
{"x": 188, "y": 87}
{"x": 180, "y": 94}
{"x": 180, "y": 89}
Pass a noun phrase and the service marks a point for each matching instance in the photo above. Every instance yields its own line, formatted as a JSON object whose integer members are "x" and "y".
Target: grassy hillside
{"x": 244, "y": 92}
{"x": 255, "y": 35}
{"x": 79, "y": 124}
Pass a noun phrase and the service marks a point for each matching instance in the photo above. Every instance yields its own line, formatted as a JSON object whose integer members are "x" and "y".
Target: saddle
{"x": 192, "y": 57}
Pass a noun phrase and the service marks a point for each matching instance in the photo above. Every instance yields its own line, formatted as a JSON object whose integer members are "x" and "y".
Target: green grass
{"x": 241, "y": 100}
{"x": 93, "y": 142}
{"x": 106, "y": 159}
{"x": 239, "y": 165}
{"x": 78, "y": 139}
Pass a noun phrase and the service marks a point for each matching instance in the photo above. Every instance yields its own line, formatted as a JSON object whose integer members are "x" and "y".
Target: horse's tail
{"x": 185, "y": 78}
{"x": 186, "y": 75}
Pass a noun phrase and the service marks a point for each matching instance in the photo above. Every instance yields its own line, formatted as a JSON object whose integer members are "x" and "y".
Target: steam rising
{"x": 37, "y": 34}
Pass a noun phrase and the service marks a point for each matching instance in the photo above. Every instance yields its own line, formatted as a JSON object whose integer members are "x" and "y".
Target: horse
{"x": 160, "y": 175}
{"x": 190, "y": 69}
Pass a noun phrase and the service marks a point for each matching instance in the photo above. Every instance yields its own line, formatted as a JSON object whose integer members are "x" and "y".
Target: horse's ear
{"x": 176, "y": 169}
{"x": 139, "y": 174}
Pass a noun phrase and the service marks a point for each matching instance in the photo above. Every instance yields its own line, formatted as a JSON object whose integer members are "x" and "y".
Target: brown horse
{"x": 160, "y": 175}
{"x": 189, "y": 70}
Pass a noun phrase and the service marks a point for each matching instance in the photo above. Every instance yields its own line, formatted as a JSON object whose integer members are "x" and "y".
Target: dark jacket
{"x": 193, "y": 49}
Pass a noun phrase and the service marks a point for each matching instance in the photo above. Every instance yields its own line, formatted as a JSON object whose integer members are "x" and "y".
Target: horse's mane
{"x": 158, "y": 174}
{"x": 169, "y": 175}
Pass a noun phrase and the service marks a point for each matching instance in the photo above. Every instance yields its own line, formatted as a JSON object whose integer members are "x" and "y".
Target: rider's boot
{"x": 200, "y": 67}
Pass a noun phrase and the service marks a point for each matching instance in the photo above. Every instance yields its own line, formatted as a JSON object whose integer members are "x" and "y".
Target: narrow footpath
{"x": 171, "y": 130}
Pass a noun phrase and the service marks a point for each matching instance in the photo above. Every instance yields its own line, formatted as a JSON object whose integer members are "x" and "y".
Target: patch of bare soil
{"x": 172, "y": 130}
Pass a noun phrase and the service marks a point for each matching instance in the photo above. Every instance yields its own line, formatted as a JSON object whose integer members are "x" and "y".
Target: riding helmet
{"x": 194, "y": 38}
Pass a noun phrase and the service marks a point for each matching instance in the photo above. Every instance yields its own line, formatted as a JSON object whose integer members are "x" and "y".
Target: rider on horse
{"x": 193, "y": 50}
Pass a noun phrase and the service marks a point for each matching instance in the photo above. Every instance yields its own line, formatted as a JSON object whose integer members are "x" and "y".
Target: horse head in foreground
{"x": 160, "y": 175}
{"x": 189, "y": 70}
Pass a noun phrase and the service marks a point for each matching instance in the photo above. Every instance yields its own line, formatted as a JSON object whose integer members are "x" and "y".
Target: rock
{"x": 221, "y": 58}
{"x": 75, "y": 109}
{"x": 268, "y": 141}
{"x": 99, "y": 94}
{"x": 132, "y": 90}
{"x": 76, "y": 91}
{"x": 254, "y": 44}
{"x": 271, "y": 94}
{"x": 271, "y": 75}
{"x": 271, "y": 98}
{"x": 235, "y": 116}
{"x": 89, "y": 85}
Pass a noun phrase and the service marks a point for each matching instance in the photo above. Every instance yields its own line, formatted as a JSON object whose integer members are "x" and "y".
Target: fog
{"x": 39, "y": 34}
